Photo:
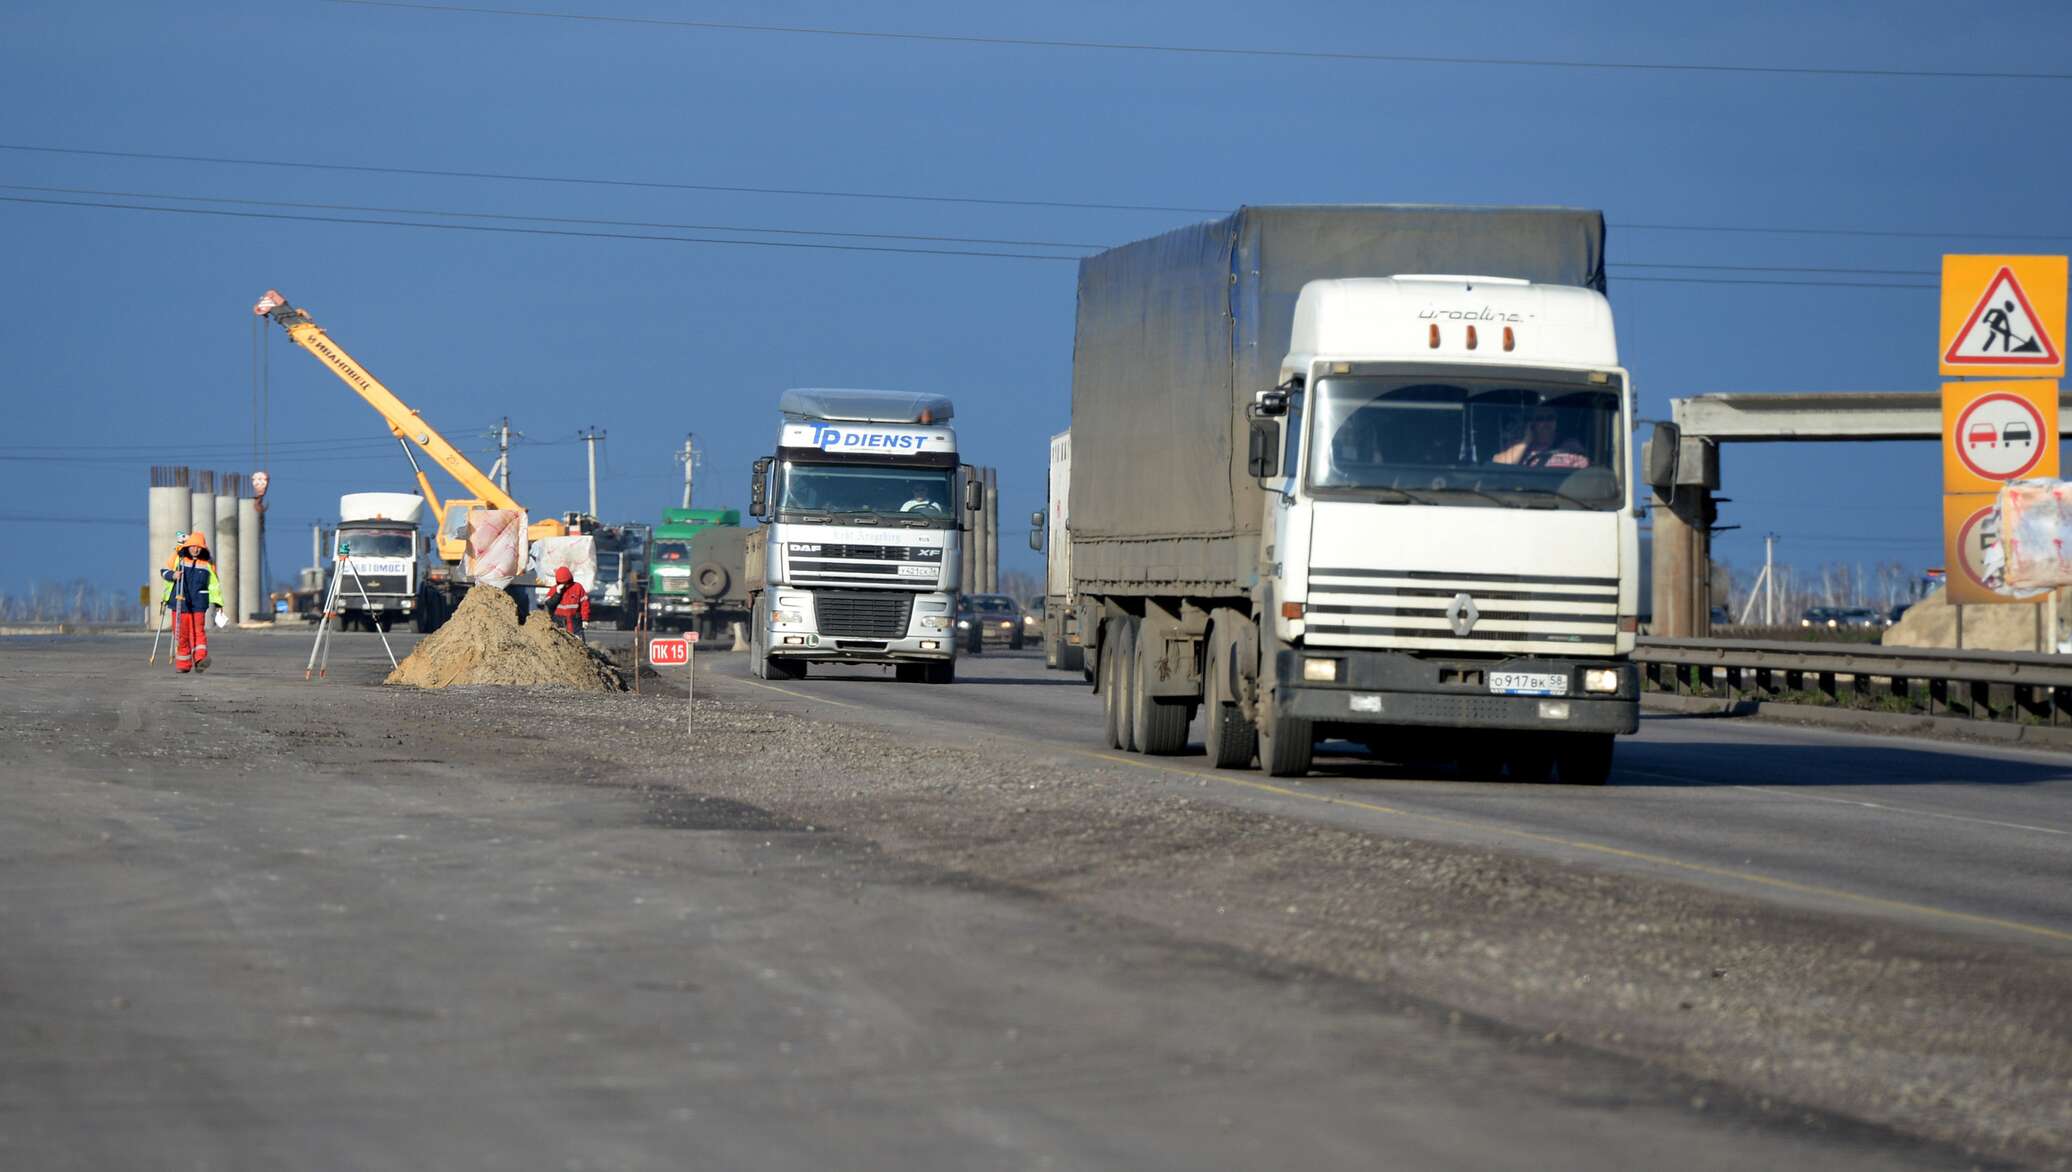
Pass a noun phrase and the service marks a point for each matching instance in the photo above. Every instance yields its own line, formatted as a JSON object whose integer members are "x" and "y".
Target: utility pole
{"x": 689, "y": 459}
{"x": 590, "y": 439}
{"x": 501, "y": 470}
{"x": 1769, "y": 580}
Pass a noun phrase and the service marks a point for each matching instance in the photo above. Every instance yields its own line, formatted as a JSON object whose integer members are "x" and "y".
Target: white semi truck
{"x": 864, "y": 507}
{"x": 1315, "y": 494}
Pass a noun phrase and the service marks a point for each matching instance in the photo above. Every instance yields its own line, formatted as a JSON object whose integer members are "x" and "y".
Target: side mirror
{"x": 1263, "y": 448}
{"x": 1036, "y": 530}
{"x": 1659, "y": 456}
{"x": 759, "y": 490}
{"x": 974, "y": 494}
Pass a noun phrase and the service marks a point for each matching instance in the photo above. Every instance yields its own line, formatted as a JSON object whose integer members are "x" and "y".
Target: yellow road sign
{"x": 1966, "y": 518}
{"x": 1994, "y": 432}
{"x": 2003, "y": 315}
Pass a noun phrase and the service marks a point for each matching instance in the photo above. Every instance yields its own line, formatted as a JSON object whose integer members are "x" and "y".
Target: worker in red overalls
{"x": 191, "y": 588}
{"x": 569, "y": 602}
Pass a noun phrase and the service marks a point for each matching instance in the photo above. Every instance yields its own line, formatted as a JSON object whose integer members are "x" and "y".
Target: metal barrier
{"x": 1982, "y": 685}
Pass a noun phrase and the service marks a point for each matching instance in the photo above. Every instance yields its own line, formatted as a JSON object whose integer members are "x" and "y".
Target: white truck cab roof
{"x": 1500, "y": 321}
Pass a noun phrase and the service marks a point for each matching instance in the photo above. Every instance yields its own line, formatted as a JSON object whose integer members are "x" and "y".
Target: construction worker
{"x": 569, "y": 602}
{"x": 191, "y": 588}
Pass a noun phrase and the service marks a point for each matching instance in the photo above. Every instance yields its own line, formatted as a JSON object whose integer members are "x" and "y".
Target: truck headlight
{"x": 935, "y": 622}
{"x": 785, "y": 617}
{"x": 1323, "y": 671}
{"x": 1600, "y": 679}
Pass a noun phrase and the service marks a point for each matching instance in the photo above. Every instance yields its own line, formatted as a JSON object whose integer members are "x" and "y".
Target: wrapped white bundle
{"x": 496, "y": 545}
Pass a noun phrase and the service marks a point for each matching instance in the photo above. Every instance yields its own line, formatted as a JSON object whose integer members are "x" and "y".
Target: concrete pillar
{"x": 251, "y": 541}
{"x": 224, "y": 536}
{"x": 992, "y": 530}
{"x": 1683, "y": 563}
{"x": 203, "y": 514}
{"x": 171, "y": 511}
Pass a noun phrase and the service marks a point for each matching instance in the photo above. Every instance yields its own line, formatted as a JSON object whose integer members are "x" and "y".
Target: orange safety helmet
{"x": 563, "y": 574}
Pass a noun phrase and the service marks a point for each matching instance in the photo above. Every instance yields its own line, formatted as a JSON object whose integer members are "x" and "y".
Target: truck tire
{"x": 1112, "y": 698}
{"x": 1285, "y": 743}
{"x": 1160, "y": 724}
{"x": 1072, "y": 657}
{"x": 1126, "y": 684}
{"x": 940, "y": 673}
{"x": 1053, "y": 659}
{"x": 710, "y": 579}
{"x": 775, "y": 668}
{"x": 1583, "y": 758}
{"x": 910, "y": 673}
{"x": 1232, "y": 742}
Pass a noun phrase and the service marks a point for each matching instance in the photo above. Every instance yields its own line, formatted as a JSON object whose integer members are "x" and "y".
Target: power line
{"x": 798, "y": 244}
{"x": 389, "y": 223}
{"x": 347, "y": 207}
{"x": 832, "y": 232}
{"x": 918, "y": 197}
{"x": 1221, "y": 51}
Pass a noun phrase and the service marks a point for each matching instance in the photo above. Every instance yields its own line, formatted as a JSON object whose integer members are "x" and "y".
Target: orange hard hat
{"x": 562, "y": 574}
{"x": 195, "y": 538}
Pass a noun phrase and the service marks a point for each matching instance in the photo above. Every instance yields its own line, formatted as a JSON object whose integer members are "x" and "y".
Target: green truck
{"x": 697, "y": 576}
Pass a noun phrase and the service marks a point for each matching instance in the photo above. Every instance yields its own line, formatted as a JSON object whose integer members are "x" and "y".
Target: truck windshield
{"x": 672, "y": 553}
{"x": 919, "y": 497}
{"x": 1467, "y": 441}
{"x": 378, "y": 543}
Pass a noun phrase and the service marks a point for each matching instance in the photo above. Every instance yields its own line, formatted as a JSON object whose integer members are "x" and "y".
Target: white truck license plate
{"x": 1521, "y": 683}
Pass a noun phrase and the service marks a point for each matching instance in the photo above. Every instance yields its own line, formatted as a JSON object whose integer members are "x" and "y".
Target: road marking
{"x": 800, "y": 695}
{"x": 1863, "y": 803}
{"x": 1753, "y": 877}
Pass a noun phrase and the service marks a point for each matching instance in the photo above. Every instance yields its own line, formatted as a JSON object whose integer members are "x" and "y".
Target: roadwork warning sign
{"x": 2003, "y": 315}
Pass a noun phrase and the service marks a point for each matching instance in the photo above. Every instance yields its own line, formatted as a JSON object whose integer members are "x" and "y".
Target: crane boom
{"x": 405, "y": 422}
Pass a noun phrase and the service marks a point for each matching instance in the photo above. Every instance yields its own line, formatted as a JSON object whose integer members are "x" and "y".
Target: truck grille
{"x": 349, "y": 590}
{"x": 847, "y": 565}
{"x": 1417, "y": 609}
{"x": 863, "y": 614}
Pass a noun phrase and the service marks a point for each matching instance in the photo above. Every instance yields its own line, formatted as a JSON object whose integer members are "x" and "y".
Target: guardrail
{"x": 2014, "y": 686}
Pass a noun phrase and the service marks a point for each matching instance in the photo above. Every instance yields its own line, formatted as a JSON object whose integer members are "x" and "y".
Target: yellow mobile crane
{"x": 410, "y": 428}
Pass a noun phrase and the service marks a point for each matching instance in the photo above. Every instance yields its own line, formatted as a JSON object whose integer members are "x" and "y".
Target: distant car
{"x": 1859, "y": 616}
{"x": 989, "y": 618}
{"x": 1820, "y": 616}
{"x": 1897, "y": 613}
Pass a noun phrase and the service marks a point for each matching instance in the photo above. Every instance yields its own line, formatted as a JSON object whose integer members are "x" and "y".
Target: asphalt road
{"x": 253, "y": 923}
{"x": 1954, "y": 836}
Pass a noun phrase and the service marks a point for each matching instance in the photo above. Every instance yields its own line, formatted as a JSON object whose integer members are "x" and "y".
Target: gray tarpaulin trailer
{"x": 1176, "y": 333}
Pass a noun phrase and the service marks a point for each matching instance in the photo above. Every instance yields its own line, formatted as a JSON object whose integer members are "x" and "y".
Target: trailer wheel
{"x": 1126, "y": 684}
{"x": 1111, "y": 698}
{"x": 709, "y": 579}
{"x": 1160, "y": 724}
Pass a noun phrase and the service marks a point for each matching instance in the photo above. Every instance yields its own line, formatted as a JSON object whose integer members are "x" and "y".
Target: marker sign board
{"x": 2003, "y": 315}
{"x": 669, "y": 652}
{"x": 1998, "y": 431}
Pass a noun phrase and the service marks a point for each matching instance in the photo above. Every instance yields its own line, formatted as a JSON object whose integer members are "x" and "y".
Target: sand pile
{"x": 484, "y": 643}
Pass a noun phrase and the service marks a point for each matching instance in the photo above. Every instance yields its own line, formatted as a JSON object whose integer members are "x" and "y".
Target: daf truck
{"x": 1359, "y": 473}
{"x": 863, "y": 509}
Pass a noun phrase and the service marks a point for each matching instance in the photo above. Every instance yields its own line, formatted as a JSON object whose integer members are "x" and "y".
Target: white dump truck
{"x": 1360, "y": 473}
{"x": 863, "y": 510}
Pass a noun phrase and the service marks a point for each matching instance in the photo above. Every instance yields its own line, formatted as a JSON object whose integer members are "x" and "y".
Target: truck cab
{"x": 864, "y": 506}
{"x": 697, "y": 572}
{"x": 377, "y": 560}
{"x": 1450, "y": 537}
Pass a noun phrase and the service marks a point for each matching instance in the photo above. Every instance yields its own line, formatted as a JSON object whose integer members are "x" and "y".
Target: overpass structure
{"x": 1685, "y": 507}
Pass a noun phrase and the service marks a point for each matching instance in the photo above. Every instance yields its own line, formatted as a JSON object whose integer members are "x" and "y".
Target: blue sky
{"x": 129, "y": 341}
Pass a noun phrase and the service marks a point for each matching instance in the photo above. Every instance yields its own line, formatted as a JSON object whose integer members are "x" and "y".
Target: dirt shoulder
{"x": 1951, "y": 1039}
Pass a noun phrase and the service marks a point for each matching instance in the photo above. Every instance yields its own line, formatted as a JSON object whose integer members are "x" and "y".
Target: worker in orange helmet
{"x": 569, "y": 602}
{"x": 191, "y": 588}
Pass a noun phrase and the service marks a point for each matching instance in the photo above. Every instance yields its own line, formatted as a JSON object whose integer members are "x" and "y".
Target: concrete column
{"x": 992, "y": 530}
{"x": 251, "y": 588}
{"x": 224, "y": 536}
{"x": 1683, "y": 563}
{"x": 171, "y": 509}
{"x": 203, "y": 514}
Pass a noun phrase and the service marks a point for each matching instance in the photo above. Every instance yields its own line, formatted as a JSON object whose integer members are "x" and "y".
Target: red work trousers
{"x": 190, "y": 639}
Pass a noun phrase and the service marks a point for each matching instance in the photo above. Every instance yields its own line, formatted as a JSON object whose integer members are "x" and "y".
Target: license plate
{"x": 1523, "y": 683}
{"x": 917, "y": 571}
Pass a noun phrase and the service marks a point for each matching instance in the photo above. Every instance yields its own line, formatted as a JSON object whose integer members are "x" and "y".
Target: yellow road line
{"x": 1596, "y": 848}
{"x": 1869, "y": 805}
{"x": 800, "y": 695}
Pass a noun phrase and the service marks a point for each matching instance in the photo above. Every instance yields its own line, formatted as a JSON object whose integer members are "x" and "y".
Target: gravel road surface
{"x": 254, "y": 922}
